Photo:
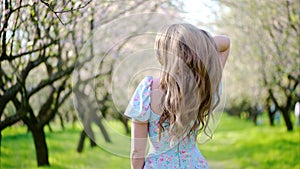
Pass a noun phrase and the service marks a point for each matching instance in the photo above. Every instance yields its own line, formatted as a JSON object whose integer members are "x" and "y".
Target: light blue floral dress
{"x": 161, "y": 155}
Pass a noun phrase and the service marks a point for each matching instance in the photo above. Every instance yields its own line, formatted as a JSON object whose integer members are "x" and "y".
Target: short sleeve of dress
{"x": 139, "y": 105}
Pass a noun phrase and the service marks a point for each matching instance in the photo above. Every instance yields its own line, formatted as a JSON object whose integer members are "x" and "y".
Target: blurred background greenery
{"x": 45, "y": 45}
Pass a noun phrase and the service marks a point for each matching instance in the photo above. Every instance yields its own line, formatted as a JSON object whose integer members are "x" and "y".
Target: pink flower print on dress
{"x": 184, "y": 140}
{"x": 168, "y": 159}
{"x": 200, "y": 160}
{"x": 146, "y": 93}
{"x": 143, "y": 113}
{"x": 145, "y": 107}
{"x": 136, "y": 99}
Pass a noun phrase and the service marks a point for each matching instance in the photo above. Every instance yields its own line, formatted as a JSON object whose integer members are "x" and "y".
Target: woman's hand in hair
{"x": 223, "y": 47}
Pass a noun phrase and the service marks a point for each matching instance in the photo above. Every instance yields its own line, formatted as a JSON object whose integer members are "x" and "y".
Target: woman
{"x": 172, "y": 109}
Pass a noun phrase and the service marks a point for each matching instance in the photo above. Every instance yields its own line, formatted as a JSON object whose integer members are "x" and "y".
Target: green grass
{"x": 241, "y": 145}
{"x": 17, "y": 151}
{"x": 237, "y": 144}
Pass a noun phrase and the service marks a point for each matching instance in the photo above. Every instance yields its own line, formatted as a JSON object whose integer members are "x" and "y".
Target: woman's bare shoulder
{"x": 156, "y": 95}
{"x": 155, "y": 84}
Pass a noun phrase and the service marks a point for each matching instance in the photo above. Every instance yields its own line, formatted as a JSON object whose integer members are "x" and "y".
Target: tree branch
{"x": 289, "y": 10}
{"x": 12, "y": 91}
{"x": 52, "y": 79}
{"x": 64, "y": 11}
{"x": 12, "y": 119}
{"x": 12, "y": 57}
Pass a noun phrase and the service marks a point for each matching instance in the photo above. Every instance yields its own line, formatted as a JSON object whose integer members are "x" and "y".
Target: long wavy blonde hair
{"x": 191, "y": 72}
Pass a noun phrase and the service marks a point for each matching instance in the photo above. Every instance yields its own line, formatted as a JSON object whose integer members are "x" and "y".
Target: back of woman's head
{"x": 191, "y": 72}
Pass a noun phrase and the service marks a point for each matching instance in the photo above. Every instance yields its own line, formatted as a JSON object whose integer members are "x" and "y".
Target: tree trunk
{"x": 103, "y": 130}
{"x": 89, "y": 132}
{"x": 125, "y": 123}
{"x": 40, "y": 146}
{"x": 83, "y": 135}
{"x": 92, "y": 143}
{"x": 0, "y": 145}
{"x": 50, "y": 128}
{"x": 62, "y": 120}
{"x": 81, "y": 141}
{"x": 287, "y": 119}
{"x": 126, "y": 127}
{"x": 271, "y": 117}
{"x": 253, "y": 115}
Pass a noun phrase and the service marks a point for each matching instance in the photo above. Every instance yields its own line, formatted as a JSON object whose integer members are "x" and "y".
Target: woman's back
{"x": 184, "y": 153}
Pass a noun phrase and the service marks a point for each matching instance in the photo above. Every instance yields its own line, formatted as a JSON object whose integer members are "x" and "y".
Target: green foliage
{"x": 240, "y": 107}
{"x": 237, "y": 144}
